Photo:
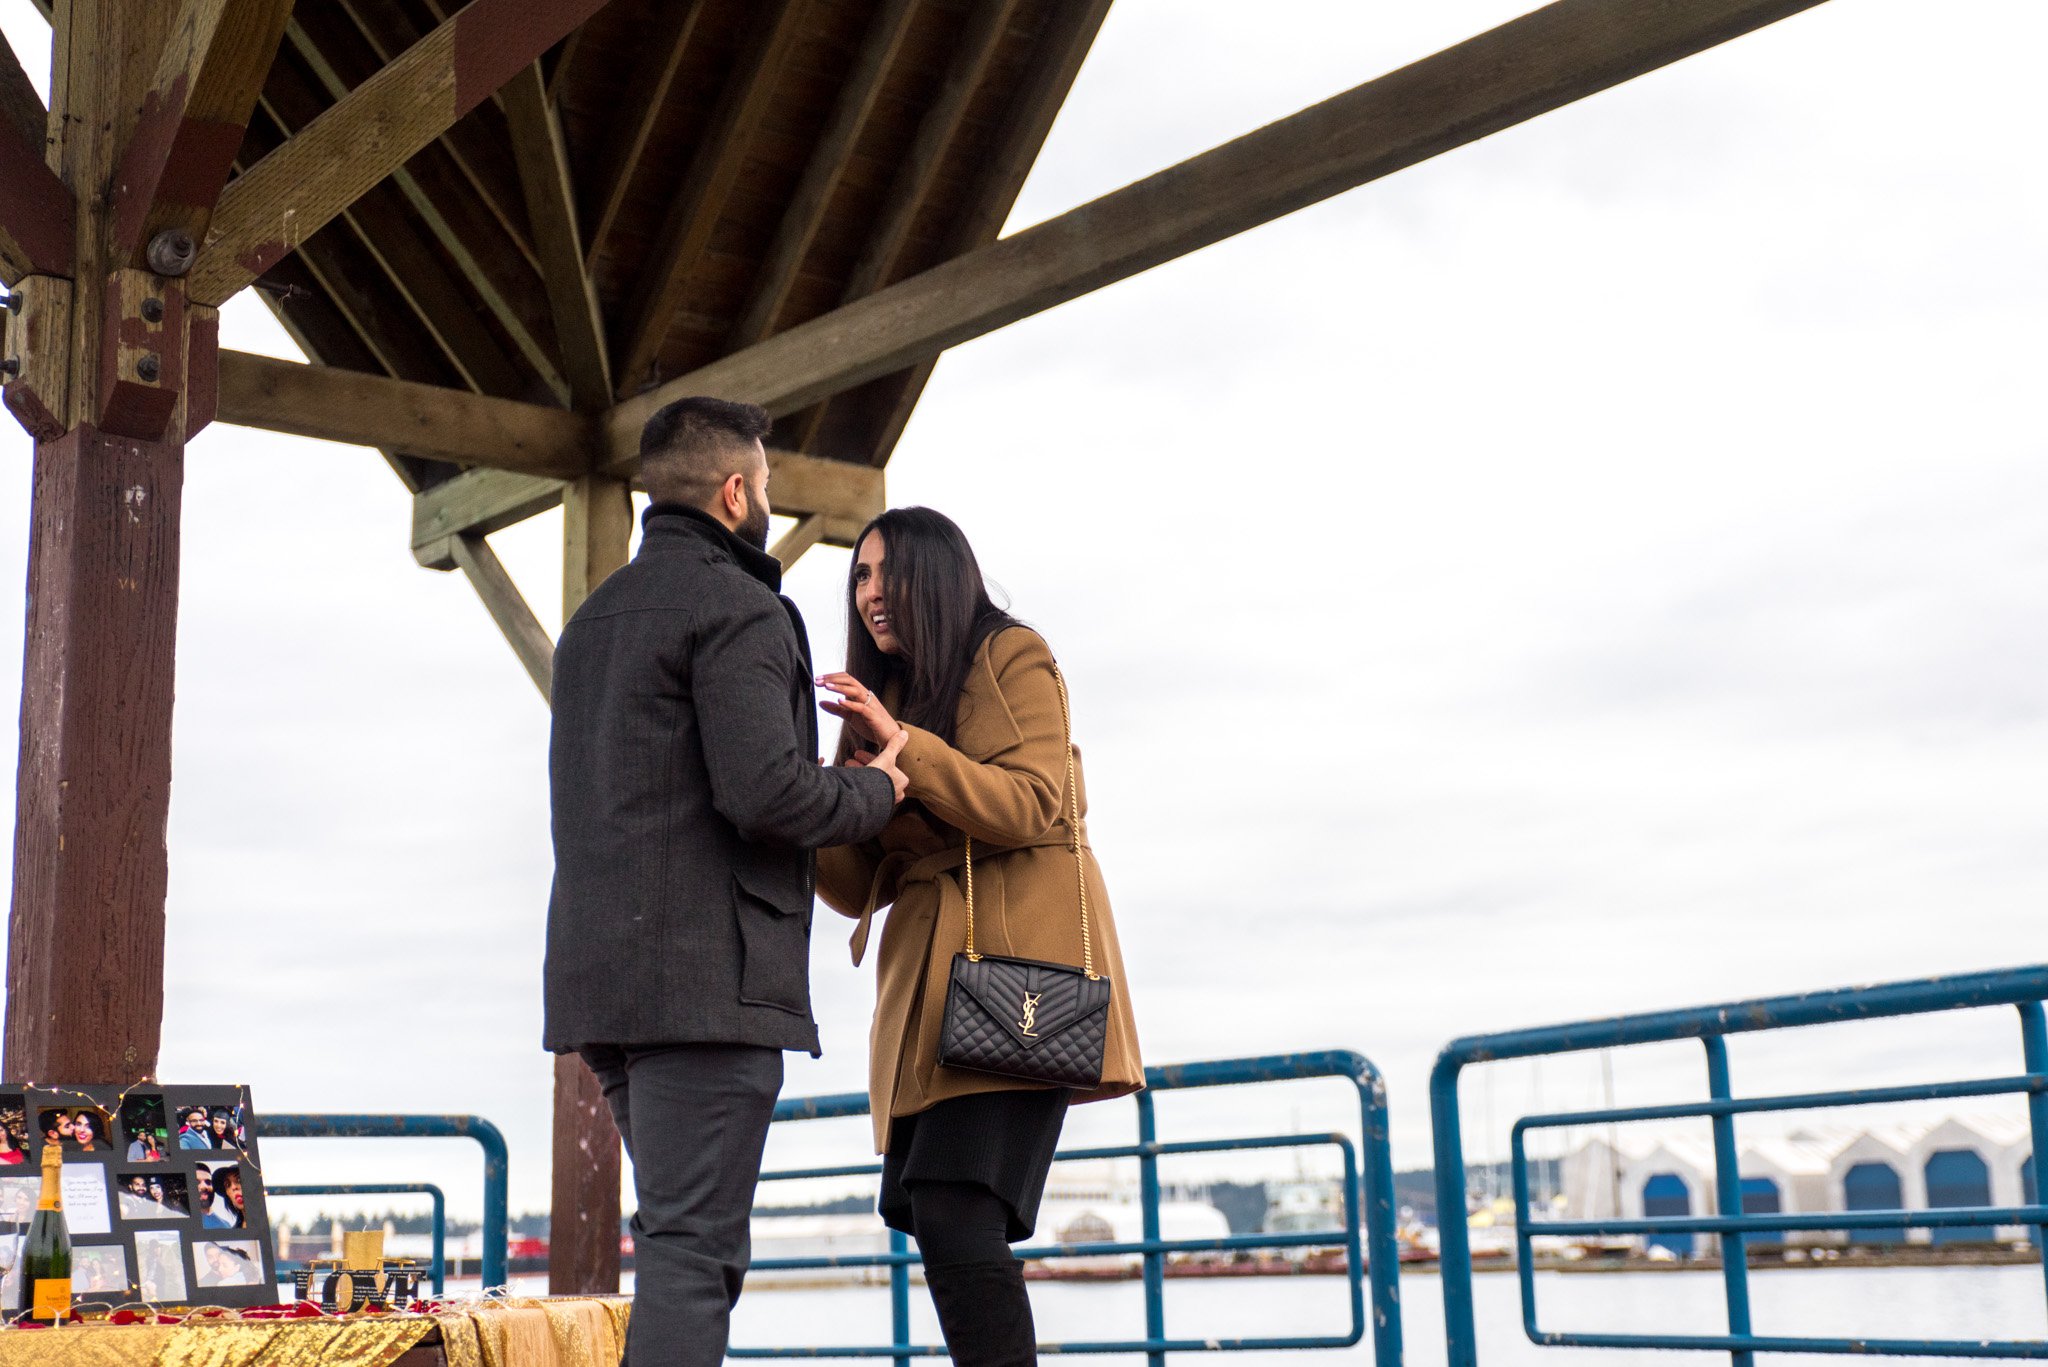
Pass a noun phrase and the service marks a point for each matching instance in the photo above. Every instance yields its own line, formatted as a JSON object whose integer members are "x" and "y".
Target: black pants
{"x": 977, "y": 1284}
{"x": 694, "y": 1118}
{"x": 964, "y": 1179}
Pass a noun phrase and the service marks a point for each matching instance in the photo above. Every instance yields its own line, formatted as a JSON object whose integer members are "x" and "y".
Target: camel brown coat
{"x": 1003, "y": 782}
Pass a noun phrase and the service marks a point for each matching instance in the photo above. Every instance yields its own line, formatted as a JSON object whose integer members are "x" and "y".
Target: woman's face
{"x": 81, "y": 1130}
{"x": 220, "y": 1126}
{"x": 867, "y": 595}
{"x": 231, "y": 1183}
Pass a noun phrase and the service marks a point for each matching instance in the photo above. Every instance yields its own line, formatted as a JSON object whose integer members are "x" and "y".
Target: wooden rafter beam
{"x": 419, "y": 419}
{"x": 881, "y": 256}
{"x": 192, "y": 121}
{"x": 388, "y": 236}
{"x": 842, "y": 495}
{"x": 524, "y": 451}
{"x": 714, "y": 170}
{"x": 476, "y": 503}
{"x": 38, "y": 214}
{"x": 544, "y": 175}
{"x": 1069, "y": 36}
{"x": 828, "y": 162}
{"x": 481, "y": 159}
{"x": 1508, "y": 75}
{"x": 373, "y": 131}
{"x": 912, "y": 183}
{"x": 494, "y": 277}
{"x": 645, "y": 96}
{"x": 21, "y": 109}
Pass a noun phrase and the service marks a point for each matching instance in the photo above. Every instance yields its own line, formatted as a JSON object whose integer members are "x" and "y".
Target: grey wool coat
{"x": 688, "y": 802}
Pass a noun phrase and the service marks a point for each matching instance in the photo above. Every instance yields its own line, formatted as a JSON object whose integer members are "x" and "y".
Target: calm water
{"x": 1949, "y": 1302}
{"x": 1877, "y": 1302}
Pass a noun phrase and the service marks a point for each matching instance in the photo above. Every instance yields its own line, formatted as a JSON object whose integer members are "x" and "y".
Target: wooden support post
{"x": 583, "y": 1228}
{"x": 597, "y": 532}
{"x": 85, "y": 950}
{"x": 86, "y": 933}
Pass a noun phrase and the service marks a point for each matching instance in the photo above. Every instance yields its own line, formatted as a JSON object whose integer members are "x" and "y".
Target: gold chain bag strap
{"x": 1025, "y": 1018}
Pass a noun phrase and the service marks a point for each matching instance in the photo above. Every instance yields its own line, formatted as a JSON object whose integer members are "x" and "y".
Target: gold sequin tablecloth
{"x": 570, "y": 1332}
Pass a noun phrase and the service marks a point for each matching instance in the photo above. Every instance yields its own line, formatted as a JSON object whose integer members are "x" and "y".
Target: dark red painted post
{"x": 86, "y": 933}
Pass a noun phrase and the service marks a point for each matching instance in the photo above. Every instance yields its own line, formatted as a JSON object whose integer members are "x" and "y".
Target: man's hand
{"x": 886, "y": 762}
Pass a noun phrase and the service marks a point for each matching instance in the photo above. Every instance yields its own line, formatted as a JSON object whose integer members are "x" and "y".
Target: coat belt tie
{"x": 905, "y": 867}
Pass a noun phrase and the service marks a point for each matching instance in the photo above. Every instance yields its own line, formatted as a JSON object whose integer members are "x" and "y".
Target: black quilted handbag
{"x": 1025, "y": 1018}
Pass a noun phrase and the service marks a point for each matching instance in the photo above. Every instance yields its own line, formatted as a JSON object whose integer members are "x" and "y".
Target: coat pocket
{"x": 775, "y": 951}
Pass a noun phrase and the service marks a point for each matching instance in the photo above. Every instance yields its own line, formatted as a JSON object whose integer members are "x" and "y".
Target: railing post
{"x": 1728, "y": 1198}
{"x": 1155, "y": 1263}
{"x": 1454, "y": 1249}
{"x": 899, "y": 1295}
{"x": 440, "y": 1241}
{"x": 2034, "y": 1046}
{"x": 1376, "y": 1209}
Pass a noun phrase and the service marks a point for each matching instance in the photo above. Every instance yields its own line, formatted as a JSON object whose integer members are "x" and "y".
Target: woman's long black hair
{"x": 939, "y": 608}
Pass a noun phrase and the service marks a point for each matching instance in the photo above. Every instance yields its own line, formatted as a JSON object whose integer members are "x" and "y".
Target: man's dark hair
{"x": 692, "y": 446}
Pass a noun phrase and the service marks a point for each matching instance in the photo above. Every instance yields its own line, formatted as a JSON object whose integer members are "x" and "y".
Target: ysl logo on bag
{"x": 1030, "y": 1014}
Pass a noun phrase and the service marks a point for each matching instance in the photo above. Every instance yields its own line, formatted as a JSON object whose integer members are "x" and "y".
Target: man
{"x": 688, "y": 801}
{"x": 202, "y": 1188}
{"x": 196, "y": 1130}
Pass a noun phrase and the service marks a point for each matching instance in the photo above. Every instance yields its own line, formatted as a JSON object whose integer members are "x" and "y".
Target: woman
{"x": 85, "y": 1131}
{"x": 13, "y": 1135}
{"x": 966, "y": 1153}
{"x": 227, "y": 1205}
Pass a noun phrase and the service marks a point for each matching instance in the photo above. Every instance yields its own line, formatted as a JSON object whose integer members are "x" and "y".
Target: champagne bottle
{"x": 46, "y": 1251}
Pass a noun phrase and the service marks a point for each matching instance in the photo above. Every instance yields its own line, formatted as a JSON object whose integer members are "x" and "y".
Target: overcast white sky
{"x": 1597, "y": 570}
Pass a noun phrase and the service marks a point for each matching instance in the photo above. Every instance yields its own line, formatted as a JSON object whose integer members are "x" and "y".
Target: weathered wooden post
{"x": 583, "y": 1234}
{"x": 111, "y": 368}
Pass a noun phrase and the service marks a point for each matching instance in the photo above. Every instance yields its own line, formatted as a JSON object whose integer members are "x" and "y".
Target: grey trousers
{"x": 694, "y": 1118}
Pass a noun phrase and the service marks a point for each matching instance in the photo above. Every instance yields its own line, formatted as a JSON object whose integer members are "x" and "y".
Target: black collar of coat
{"x": 680, "y": 519}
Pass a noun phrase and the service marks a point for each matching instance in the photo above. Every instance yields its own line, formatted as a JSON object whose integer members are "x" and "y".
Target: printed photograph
{"x": 195, "y": 1127}
{"x": 18, "y": 1197}
{"x": 80, "y": 1129}
{"x": 153, "y": 1196}
{"x": 159, "y": 1265}
{"x": 13, "y": 1131}
{"x": 98, "y": 1269}
{"x": 220, "y": 1189}
{"x": 142, "y": 1124}
{"x": 227, "y": 1127}
{"x": 228, "y": 1262}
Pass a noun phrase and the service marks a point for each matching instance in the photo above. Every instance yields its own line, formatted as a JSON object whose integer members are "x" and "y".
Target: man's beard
{"x": 754, "y": 531}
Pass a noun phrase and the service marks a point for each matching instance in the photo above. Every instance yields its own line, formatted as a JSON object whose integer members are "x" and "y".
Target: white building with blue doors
{"x": 1975, "y": 1160}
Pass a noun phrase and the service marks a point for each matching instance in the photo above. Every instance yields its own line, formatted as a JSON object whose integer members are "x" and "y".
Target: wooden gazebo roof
{"x": 506, "y": 232}
{"x": 722, "y": 170}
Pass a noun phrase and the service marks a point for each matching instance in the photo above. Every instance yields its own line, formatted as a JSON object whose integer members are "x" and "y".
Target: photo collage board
{"x": 162, "y": 1192}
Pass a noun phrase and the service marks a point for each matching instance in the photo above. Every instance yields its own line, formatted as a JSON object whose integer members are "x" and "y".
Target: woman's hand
{"x": 862, "y": 708}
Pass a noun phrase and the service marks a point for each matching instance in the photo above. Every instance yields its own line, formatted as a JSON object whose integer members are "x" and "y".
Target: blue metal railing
{"x": 2023, "y": 988}
{"x": 378, "y": 1189}
{"x": 419, "y": 1127}
{"x": 1368, "y": 1207}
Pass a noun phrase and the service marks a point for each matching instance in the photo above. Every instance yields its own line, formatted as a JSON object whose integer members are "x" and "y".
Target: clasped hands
{"x": 861, "y": 707}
